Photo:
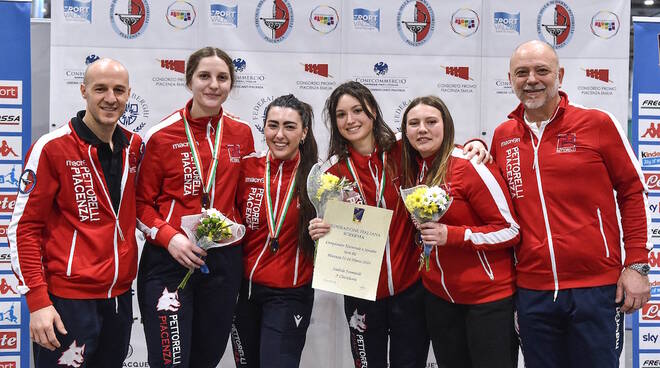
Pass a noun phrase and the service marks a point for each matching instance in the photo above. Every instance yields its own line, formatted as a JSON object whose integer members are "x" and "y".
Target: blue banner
{"x": 15, "y": 139}
{"x": 645, "y": 137}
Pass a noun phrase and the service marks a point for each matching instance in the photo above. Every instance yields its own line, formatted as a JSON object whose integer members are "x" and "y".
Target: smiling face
{"x": 353, "y": 122}
{"x": 210, "y": 85}
{"x": 535, "y": 77}
{"x": 106, "y": 92}
{"x": 284, "y": 131}
{"x": 425, "y": 129}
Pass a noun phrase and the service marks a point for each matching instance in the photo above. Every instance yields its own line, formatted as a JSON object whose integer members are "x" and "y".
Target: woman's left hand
{"x": 476, "y": 148}
{"x": 433, "y": 233}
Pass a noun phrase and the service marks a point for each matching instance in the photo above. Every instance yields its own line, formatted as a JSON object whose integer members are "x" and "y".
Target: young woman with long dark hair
{"x": 468, "y": 304}
{"x": 191, "y": 161}
{"x": 276, "y": 298}
{"x": 365, "y": 150}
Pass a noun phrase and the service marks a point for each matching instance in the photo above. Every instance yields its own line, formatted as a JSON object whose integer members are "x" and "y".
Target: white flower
{"x": 213, "y": 213}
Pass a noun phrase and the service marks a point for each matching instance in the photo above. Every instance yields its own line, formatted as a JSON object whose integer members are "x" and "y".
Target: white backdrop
{"x": 461, "y": 54}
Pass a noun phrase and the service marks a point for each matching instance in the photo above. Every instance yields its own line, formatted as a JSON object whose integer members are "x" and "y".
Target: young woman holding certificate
{"x": 364, "y": 150}
{"x": 276, "y": 298}
{"x": 469, "y": 305}
{"x": 191, "y": 162}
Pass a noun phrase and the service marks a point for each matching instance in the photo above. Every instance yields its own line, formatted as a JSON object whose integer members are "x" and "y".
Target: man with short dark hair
{"x": 72, "y": 233}
{"x": 562, "y": 164}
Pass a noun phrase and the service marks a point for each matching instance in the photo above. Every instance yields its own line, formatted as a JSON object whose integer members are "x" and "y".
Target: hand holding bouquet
{"x": 323, "y": 186}
{"x": 210, "y": 229}
{"x": 426, "y": 204}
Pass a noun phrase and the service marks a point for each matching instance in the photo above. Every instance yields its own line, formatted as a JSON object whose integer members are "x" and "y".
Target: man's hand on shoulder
{"x": 635, "y": 288}
{"x": 41, "y": 327}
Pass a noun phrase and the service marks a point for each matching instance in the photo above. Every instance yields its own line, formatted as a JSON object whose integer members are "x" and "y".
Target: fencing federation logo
{"x": 415, "y": 22}
{"x": 181, "y": 14}
{"x": 555, "y": 24}
{"x": 78, "y": 10}
{"x": 365, "y": 19}
{"x": 506, "y": 22}
{"x": 223, "y": 15}
{"x": 465, "y": 22}
{"x": 129, "y": 18}
{"x": 605, "y": 24}
{"x": 28, "y": 181}
{"x": 274, "y": 23}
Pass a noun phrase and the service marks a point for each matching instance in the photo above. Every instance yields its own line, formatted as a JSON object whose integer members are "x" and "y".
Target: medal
{"x": 274, "y": 221}
{"x": 210, "y": 178}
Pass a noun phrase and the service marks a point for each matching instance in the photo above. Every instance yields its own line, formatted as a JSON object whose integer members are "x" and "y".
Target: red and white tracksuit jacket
{"x": 169, "y": 185}
{"x": 562, "y": 188}
{"x": 476, "y": 264}
{"x": 400, "y": 259}
{"x": 64, "y": 235}
{"x": 288, "y": 267}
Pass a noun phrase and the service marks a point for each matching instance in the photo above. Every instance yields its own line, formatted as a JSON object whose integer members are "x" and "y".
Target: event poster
{"x": 646, "y": 142}
{"x": 15, "y": 136}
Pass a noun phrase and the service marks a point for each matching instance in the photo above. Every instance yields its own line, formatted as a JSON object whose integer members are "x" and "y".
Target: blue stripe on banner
{"x": 15, "y": 100}
{"x": 646, "y": 107}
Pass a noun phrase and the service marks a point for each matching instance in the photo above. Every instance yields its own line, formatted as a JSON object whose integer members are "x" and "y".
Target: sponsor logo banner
{"x": 10, "y": 340}
{"x": 7, "y": 203}
{"x": 7, "y": 361}
{"x": 365, "y": 19}
{"x": 11, "y": 148}
{"x": 654, "y": 280}
{"x": 244, "y": 78}
{"x": 381, "y": 80}
{"x": 8, "y": 286}
{"x": 11, "y": 92}
{"x": 649, "y": 104}
{"x": 648, "y": 337}
{"x": 9, "y": 176}
{"x": 649, "y": 360}
{"x": 78, "y": 10}
{"x": 649, "y": 130}
{"x": 5, "y": 257}
{"x": 649, "y": 155}
{"x": 223, "y": 15}
{"x": 465, "y": 22}
{"x": 456, "y": 79}
{"x": 136, "y": 113}
{"x": 181, "y": 14}
{"x": 654, "y": 207}
{"x": 11, "y": 120}
{"x": 506, "y": 22}
{"x": 605, "y": 24}
{"x": 324, "y": 19}
{"x": 10, "y": 313}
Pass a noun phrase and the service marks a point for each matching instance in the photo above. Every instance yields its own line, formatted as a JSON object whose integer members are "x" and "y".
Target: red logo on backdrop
{"x": 652, "y": 180}
{"x": 5, "y": 288}
{"x": 462, "y": 72}
{"x": 651, "y": 311}
{"x": 651, "y": 132}
{"x": 319, "y": 69}
{"x": 600, "y": 74}
{"x": 7, "y": 364}
{"x": 7, "y": 202}
{"x": 3, "y": 230}
{"x": 8, "y": 340}
{"x": 176, "y": 65}
{"x": 9, "y": 92}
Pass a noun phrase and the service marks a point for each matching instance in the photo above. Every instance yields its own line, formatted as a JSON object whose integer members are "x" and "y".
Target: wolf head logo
{"x": 357, "y": 321}
{"x": 168, "y": 301}
{"x": 73, "y": 356}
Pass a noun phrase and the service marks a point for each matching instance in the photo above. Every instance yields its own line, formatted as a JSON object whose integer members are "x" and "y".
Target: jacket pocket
{"x": 602, "y": 233}
{"x": 72, "y": 251}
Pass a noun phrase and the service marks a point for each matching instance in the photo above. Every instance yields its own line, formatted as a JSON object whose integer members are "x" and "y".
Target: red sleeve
{"x": 150, "y": 182}
{"x": 25, "y": 232}
{"x": 485, "y": 191}
{"x": 627, "y": 179}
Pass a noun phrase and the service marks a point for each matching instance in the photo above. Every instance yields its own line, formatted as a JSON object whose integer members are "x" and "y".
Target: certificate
{"x": 349, "y": 257}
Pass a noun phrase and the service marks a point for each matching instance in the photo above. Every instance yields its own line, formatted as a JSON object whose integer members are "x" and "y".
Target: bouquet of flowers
{"x": 210, "y": 229}
{"x": 425, "y": 204}
{"x": 322, "y": 187}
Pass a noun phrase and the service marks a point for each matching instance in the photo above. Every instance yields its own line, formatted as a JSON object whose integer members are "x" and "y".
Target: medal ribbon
{"x": 381, "y": 187}
{"x": 210, "y": 178}
{"x": 275, "y": 224}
